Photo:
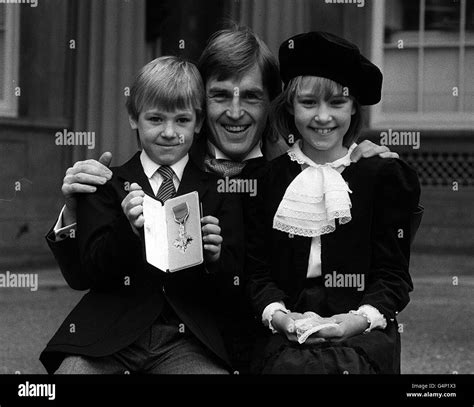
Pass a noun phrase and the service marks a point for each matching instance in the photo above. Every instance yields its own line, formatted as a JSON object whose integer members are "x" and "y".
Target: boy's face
{"x": 237, "y": 110}
{"x": 166, "y": 136}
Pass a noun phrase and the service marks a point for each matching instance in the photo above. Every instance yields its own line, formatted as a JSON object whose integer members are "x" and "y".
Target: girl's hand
{"x": 132, "y": 206}
{"x": 297, "y": 315}
{"x": 285, "y": 325}
{"x": 348, "y": 325}
{"x": 211, "y": 238}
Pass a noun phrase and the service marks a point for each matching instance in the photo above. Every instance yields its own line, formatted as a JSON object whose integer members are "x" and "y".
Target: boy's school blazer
{"x": 126, "y": 293}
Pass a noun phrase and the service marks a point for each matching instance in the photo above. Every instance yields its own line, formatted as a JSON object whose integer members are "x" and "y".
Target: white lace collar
{"x": 296, "y": 154}
{"x": 315, "y": 198}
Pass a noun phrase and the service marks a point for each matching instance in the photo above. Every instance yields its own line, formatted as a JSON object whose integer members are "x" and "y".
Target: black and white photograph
{"x": 243, "y": 192}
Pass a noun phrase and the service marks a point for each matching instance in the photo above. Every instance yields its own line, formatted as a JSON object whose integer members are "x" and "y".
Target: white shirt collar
{"x": 256, "y": 152}
{"x": 150, "y": 167}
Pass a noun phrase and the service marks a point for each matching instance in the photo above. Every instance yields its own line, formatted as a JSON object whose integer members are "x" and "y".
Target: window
{"x": 426, "y": 51}
{"x": 9, "y": 46}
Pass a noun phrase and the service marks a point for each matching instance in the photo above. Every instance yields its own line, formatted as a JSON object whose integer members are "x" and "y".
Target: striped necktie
{"x": 167, "y": 189}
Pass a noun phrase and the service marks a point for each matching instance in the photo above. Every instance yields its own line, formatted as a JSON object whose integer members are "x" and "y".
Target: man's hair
{"x": 283, "y": 122}
{"x": 168, "y": 82}
{"x": 232, "y": 52}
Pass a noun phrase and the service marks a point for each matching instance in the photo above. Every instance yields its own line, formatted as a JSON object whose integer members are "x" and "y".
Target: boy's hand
{"x": 368, "y": 149}
{"x": 82, "y": 178}
{"x": 212, "y": 239}
{"x": 132, "y": 207}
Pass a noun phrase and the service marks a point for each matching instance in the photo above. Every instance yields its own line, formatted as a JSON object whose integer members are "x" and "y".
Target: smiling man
{"x": 236, "y": 113}
{"x": 241, "y": 79}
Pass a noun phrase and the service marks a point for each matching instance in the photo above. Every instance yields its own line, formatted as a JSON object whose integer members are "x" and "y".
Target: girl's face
{"x": 322, "y": 120}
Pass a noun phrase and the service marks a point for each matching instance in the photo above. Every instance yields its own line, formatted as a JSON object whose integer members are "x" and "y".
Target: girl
{"x": 340, "y": 284}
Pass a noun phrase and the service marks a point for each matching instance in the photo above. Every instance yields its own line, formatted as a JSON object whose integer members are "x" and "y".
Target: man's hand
{"x": 82, "y": 178}
{"x": 132, "y": 206}
{"x": 212, "y": 239}
{"x": 368, "y": 149}
{"x": 348, "y": 325}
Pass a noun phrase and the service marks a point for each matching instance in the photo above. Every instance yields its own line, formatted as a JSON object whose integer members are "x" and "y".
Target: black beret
{"x": 328, "y": 56}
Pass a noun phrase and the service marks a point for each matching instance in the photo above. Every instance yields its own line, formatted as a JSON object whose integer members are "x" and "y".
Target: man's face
{"x": 166, "y": 136}
{"x": 237, "y": 110}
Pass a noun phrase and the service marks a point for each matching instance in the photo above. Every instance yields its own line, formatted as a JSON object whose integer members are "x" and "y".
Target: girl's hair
{"x": 283, "y": 122}
{"x": 170, "y": 83}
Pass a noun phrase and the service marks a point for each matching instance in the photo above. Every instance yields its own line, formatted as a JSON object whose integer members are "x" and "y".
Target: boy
{"x": 135, "y": 317}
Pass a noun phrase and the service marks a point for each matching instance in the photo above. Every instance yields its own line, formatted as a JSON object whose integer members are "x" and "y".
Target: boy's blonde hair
{"x": 283, "y": 122}
{"x": 170, "y": 83}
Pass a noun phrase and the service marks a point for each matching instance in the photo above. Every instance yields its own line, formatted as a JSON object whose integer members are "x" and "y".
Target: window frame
{"x": 416, "y": 120}
{"x": 9, "y": 105}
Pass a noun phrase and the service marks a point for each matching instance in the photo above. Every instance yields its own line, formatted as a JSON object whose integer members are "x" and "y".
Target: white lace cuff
{"x": 270, "y": 309}
{"x": 373, "y": 316}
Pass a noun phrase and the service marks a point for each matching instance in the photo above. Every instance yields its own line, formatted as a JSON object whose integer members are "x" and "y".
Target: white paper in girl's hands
{"x": 306, "y": 327}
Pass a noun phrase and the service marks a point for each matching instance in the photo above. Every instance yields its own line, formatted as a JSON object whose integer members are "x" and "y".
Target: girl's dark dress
{"x": 376, "y": 242}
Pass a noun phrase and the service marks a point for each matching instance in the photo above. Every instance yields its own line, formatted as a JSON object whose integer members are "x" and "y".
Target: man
{"x": 241, "y": 79}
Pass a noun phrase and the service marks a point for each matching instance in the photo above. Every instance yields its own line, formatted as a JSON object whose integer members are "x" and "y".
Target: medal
{"x": 181, "y": 214}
